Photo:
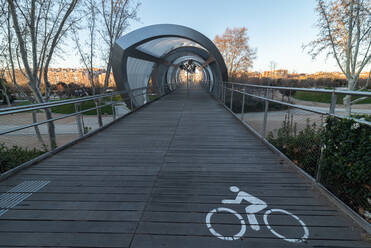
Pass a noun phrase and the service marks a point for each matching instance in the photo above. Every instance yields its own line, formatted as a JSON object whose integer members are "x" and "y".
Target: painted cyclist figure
{"x": 256, "y": 206}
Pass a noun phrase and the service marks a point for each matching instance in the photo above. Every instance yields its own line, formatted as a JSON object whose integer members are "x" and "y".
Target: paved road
{"x": 157, "y": 178}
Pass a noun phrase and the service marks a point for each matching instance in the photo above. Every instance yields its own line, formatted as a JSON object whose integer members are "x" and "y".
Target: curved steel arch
{"x": 161, "y": 70}
{"x": 128, "y": 56}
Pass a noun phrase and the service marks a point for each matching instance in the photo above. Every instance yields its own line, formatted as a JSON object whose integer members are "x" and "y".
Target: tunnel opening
{"x": 157, "y": 56}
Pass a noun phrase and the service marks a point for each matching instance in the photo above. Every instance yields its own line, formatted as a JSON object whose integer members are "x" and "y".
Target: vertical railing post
{"x": 78, "y": 121}
{"x": 131, "y": 100}
{"x": 231, "y": 103}
{"x": 266, "y": 105}
{"x": 333, "y": 103}
{"x": 222, "y": 86}
{"x": 288, "y": 109}
{"x": 220, "y": 91}
{"x": 243, "y": 104}
{"x": 225, "y": 90}
{"x": 113, "y": 109}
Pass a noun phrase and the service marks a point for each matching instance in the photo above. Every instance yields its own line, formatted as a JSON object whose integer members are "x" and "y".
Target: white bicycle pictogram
{"x": 256, "y": 206}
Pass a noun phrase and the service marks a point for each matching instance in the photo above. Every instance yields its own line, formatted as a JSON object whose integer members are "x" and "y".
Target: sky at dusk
{"x": 277, "y": 28}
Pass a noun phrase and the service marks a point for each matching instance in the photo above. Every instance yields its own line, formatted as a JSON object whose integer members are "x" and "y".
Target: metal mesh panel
{"x": 254, "y": 113}
{"x": 66, "y": 130}
{"x": 26, "y": 138}
{"x": 296, "y": 133}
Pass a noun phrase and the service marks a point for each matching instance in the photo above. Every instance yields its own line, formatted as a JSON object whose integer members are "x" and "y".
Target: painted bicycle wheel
{"x": 292, "y": 240}
{"x": 220, "y": 236}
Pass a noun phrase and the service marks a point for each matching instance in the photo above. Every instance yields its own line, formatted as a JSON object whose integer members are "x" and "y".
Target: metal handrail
{"x": 280, "y": 102}
{"x": 332, "y": 104}
{"x": 58, "y": 118}
{"x": 38, "y": 106}
{"x": 341, "y": 92}
{"x": 302, "y": 107}
{"x": 223, "y": 88}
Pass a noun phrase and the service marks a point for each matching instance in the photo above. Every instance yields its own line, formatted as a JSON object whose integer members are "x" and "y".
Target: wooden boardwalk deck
{"x": 151, "y": 179}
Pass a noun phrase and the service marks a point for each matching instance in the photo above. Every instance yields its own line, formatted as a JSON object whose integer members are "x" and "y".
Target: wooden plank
{"x": 11, "y": 239}
{"x": 72, "y": 215}
{"x": 290, "y": 231}
{"x": 170, "y": 241}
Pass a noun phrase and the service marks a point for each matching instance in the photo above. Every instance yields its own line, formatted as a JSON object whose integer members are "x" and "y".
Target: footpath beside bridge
{"x": 156, "y": 178}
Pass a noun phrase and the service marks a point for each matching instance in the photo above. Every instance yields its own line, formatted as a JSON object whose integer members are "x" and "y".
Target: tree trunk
{"x": 347, "y": 105}
{"x": 51, "y": 129}
{"x": 4, "y": 91}
{"x": 5, "y": 94}
{"x": 99, "y": 112}
{"x": 107, "y": 77}
{"x": 48, "y": 112}
{"x": 368, "y": 80}
{"x": 48, "y": 115}
{"x": 347, "y": 100}
{"x": 7, "y": 99}
{"x": 37, "y": 130}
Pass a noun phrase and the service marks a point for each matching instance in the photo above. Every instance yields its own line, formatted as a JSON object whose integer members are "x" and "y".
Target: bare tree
{"x": 3, "y": 45}
{"x": 109, "y": 18}
{"x": 368, "y": 80}
{"x": 87, "y": 48}
{"x": 345, "y": 33}
{"x": 8, "y": 46}
{"x": 4, "y": 89}
{"x": 237, "y": 53}
{"x": 39, "y": 27}
{"x": 116, "y": 15}
{"x": 3, "y": 60}
{"x": 3, "y": 83}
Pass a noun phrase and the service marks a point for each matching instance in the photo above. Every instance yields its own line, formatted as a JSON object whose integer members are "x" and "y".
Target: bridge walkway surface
{"x": 152, "y": 179}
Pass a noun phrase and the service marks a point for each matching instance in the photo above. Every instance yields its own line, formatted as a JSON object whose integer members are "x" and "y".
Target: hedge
{"x": 11, "y": 157}
{"x": 346, "y": 157}
{"x": 346, "y": 162}
{"x": 303, "y": 147}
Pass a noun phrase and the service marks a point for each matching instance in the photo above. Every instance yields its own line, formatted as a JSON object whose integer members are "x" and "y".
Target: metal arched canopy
{"x": 184, "y": 53}
{"x": 136, "y": 54}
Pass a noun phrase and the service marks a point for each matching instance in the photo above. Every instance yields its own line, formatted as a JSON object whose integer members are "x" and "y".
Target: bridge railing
{"x": 27, "y": 132}
{"x": 327, "y": 145}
